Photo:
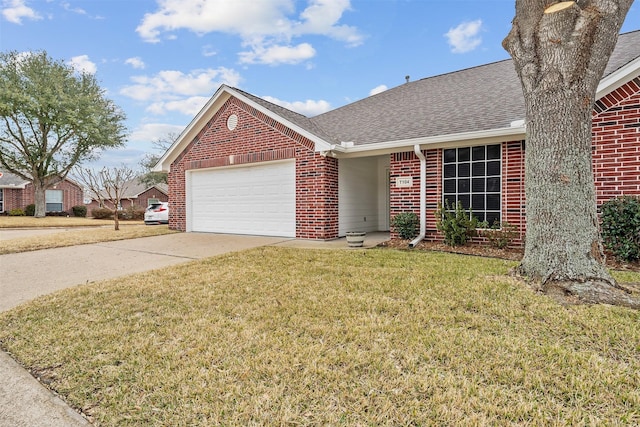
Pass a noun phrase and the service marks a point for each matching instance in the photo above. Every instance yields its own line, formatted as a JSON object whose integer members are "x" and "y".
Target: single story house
{"x": 18, "y": 193}
{"x": 137, "y": 196}
{"x": 247, "y": 166}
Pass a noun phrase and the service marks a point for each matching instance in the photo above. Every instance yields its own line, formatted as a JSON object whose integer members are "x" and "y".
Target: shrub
{"x": 79, "y": 211}
{"x": 30, "y": 210}
{"x": 16, "y": 212}
{"x": 102, "y": 213}
{"x": 458, "y": 226}
{"x": 621, "y": 227}
{"x": 500, "y": 235}
{"x": 132, "y": 213}
{"x": 406, "y": 224}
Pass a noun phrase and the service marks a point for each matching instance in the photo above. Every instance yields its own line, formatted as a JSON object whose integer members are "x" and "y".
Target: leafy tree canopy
{"x": 52, "y": 118}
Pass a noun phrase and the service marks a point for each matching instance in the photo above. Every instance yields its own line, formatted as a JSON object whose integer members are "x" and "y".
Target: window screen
{"x": 472, "y": 176}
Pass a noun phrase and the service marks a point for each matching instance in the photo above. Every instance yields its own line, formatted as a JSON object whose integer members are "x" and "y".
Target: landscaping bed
{"x": 513, "y": 254}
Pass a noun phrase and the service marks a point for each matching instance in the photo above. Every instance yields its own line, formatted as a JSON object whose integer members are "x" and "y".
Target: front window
{"x": 53, "y": 200}
{"x": 472, "y": 176}
{"x": 1, "y": 200}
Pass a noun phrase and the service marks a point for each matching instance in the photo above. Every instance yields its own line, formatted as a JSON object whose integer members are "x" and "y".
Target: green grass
{"x": 277, "y": 336}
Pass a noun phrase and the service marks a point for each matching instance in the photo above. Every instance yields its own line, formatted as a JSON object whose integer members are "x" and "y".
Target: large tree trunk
{"x": 40, "y": 199}
{"x": 560, "y": 58}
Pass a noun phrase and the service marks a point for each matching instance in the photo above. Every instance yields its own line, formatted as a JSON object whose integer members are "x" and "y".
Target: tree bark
{"x": 560, "y": 58}
{"x": 39, "y": 199}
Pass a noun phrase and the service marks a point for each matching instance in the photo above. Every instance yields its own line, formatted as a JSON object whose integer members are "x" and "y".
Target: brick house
{"x": 247, "y": 166}
{"x": 137, "y": 196}
{"x": 17, "y": 193}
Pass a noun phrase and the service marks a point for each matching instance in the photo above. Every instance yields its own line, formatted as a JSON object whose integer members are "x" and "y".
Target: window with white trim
{"x": 53, "y": 200}
{"x": 473, "y": 176}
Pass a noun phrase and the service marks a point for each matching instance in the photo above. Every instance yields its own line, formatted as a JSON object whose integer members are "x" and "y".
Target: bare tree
{"x": 560, "y": 51}
{"x": 160, "y": 144}
{"x": 107, "y": 186}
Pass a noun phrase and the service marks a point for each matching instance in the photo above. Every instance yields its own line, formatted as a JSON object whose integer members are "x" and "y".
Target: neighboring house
{"x": 18, "y": 193}
{"x": 137, "y": 195}
{"x": 247, "y": 166}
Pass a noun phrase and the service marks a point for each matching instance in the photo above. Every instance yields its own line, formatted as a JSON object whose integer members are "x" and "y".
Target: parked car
{"x": 157, "y": 213}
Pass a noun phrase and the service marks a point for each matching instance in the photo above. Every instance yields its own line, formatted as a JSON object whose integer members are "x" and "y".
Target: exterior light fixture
{"x": 557, "y": 7}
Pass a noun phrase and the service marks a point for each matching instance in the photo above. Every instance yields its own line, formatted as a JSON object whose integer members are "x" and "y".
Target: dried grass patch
{"x": 54, "y": 221}
{"x": 80, "y": 237}
{"x": 277, "y": 336}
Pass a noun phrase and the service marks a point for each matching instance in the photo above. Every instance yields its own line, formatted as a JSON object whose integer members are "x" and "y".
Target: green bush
{"x": 500, "y": 235}
{"x": 102, "y": 213}
{"x": 135, "y": 213}
{"x": 30, "y": 210}
{"x": 79, "y": 211}
{"x": 16, "y": 212}
{"x": 621, "y": 227}
{"x": 458, "y": 225}
{"x": 406, "y": 224}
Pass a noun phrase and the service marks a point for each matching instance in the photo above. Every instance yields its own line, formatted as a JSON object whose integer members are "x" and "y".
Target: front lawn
{"x": 81, "y": 236}
{"x": 277, "y": 336}
{"x": 55, "y": 221}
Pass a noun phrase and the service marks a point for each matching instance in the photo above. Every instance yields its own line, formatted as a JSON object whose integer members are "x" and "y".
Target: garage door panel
{"x": 245, "y": 200}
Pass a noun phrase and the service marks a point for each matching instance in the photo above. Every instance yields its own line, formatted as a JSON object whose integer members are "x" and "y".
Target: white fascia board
{"x": 191, "y": 130}
{"x": 619, "y": 77}
{"x": 205, "y": 114}
{"x": 14, "y": 186}
{"x": 491, "y": 136}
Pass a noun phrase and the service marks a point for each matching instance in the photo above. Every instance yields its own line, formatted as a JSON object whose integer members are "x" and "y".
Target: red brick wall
{"x": 616, "y": 143}
{"x": 402, "y": 200}
{"x": 13, "y": 199}
{"x": 19, "y": 198}
{"x": 408, "y": 199}
{"x": 258, "y": 138}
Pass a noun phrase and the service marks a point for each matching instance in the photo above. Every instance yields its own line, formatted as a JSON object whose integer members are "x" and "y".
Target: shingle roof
{"x": 475, "y": 99}
{"x": 480, "y": 98}
{"x": 10, "y": 180}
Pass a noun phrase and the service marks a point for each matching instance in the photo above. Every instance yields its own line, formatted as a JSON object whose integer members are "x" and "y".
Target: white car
{"x": 157, "y": 213}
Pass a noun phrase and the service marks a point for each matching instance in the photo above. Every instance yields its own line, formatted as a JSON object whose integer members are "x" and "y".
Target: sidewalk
{"x": 24, "y": 402}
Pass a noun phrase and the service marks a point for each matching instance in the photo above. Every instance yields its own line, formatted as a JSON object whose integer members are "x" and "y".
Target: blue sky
{"x": 161, "y": 60}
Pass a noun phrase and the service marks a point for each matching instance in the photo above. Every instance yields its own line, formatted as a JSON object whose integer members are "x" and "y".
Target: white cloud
{"x": 16, "y": 10}
{"x": 378, "y": 89}
{"x": 172, "y": 90}
{"x": 189, "y": 106}
{"x": 272, "y": 55}
{"x": 67, "y": 6}
{"x": 149, "y": 132}
{"x": 82, "y": 64}
{"x": 268, "y": 26}
{"x": 308, "y": 108}
{"x": 208, "y": 50}
{"x": 135, "y": 62}
{"x": 464, "y": 38}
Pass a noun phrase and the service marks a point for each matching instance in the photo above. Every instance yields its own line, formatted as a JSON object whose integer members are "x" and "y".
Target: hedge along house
{"x": 244, "y": 165}
{"x": 18, "y": 193}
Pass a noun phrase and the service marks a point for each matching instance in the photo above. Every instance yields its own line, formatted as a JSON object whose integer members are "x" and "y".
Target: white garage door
{"x": 258, "y": 200}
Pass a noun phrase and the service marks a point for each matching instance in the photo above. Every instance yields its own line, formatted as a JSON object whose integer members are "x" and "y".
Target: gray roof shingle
{"x": 475, "y": 99}
{"x": 10, "y": 180}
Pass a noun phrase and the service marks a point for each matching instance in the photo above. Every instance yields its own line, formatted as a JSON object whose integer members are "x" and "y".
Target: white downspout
{"x": 423, "y": 196}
